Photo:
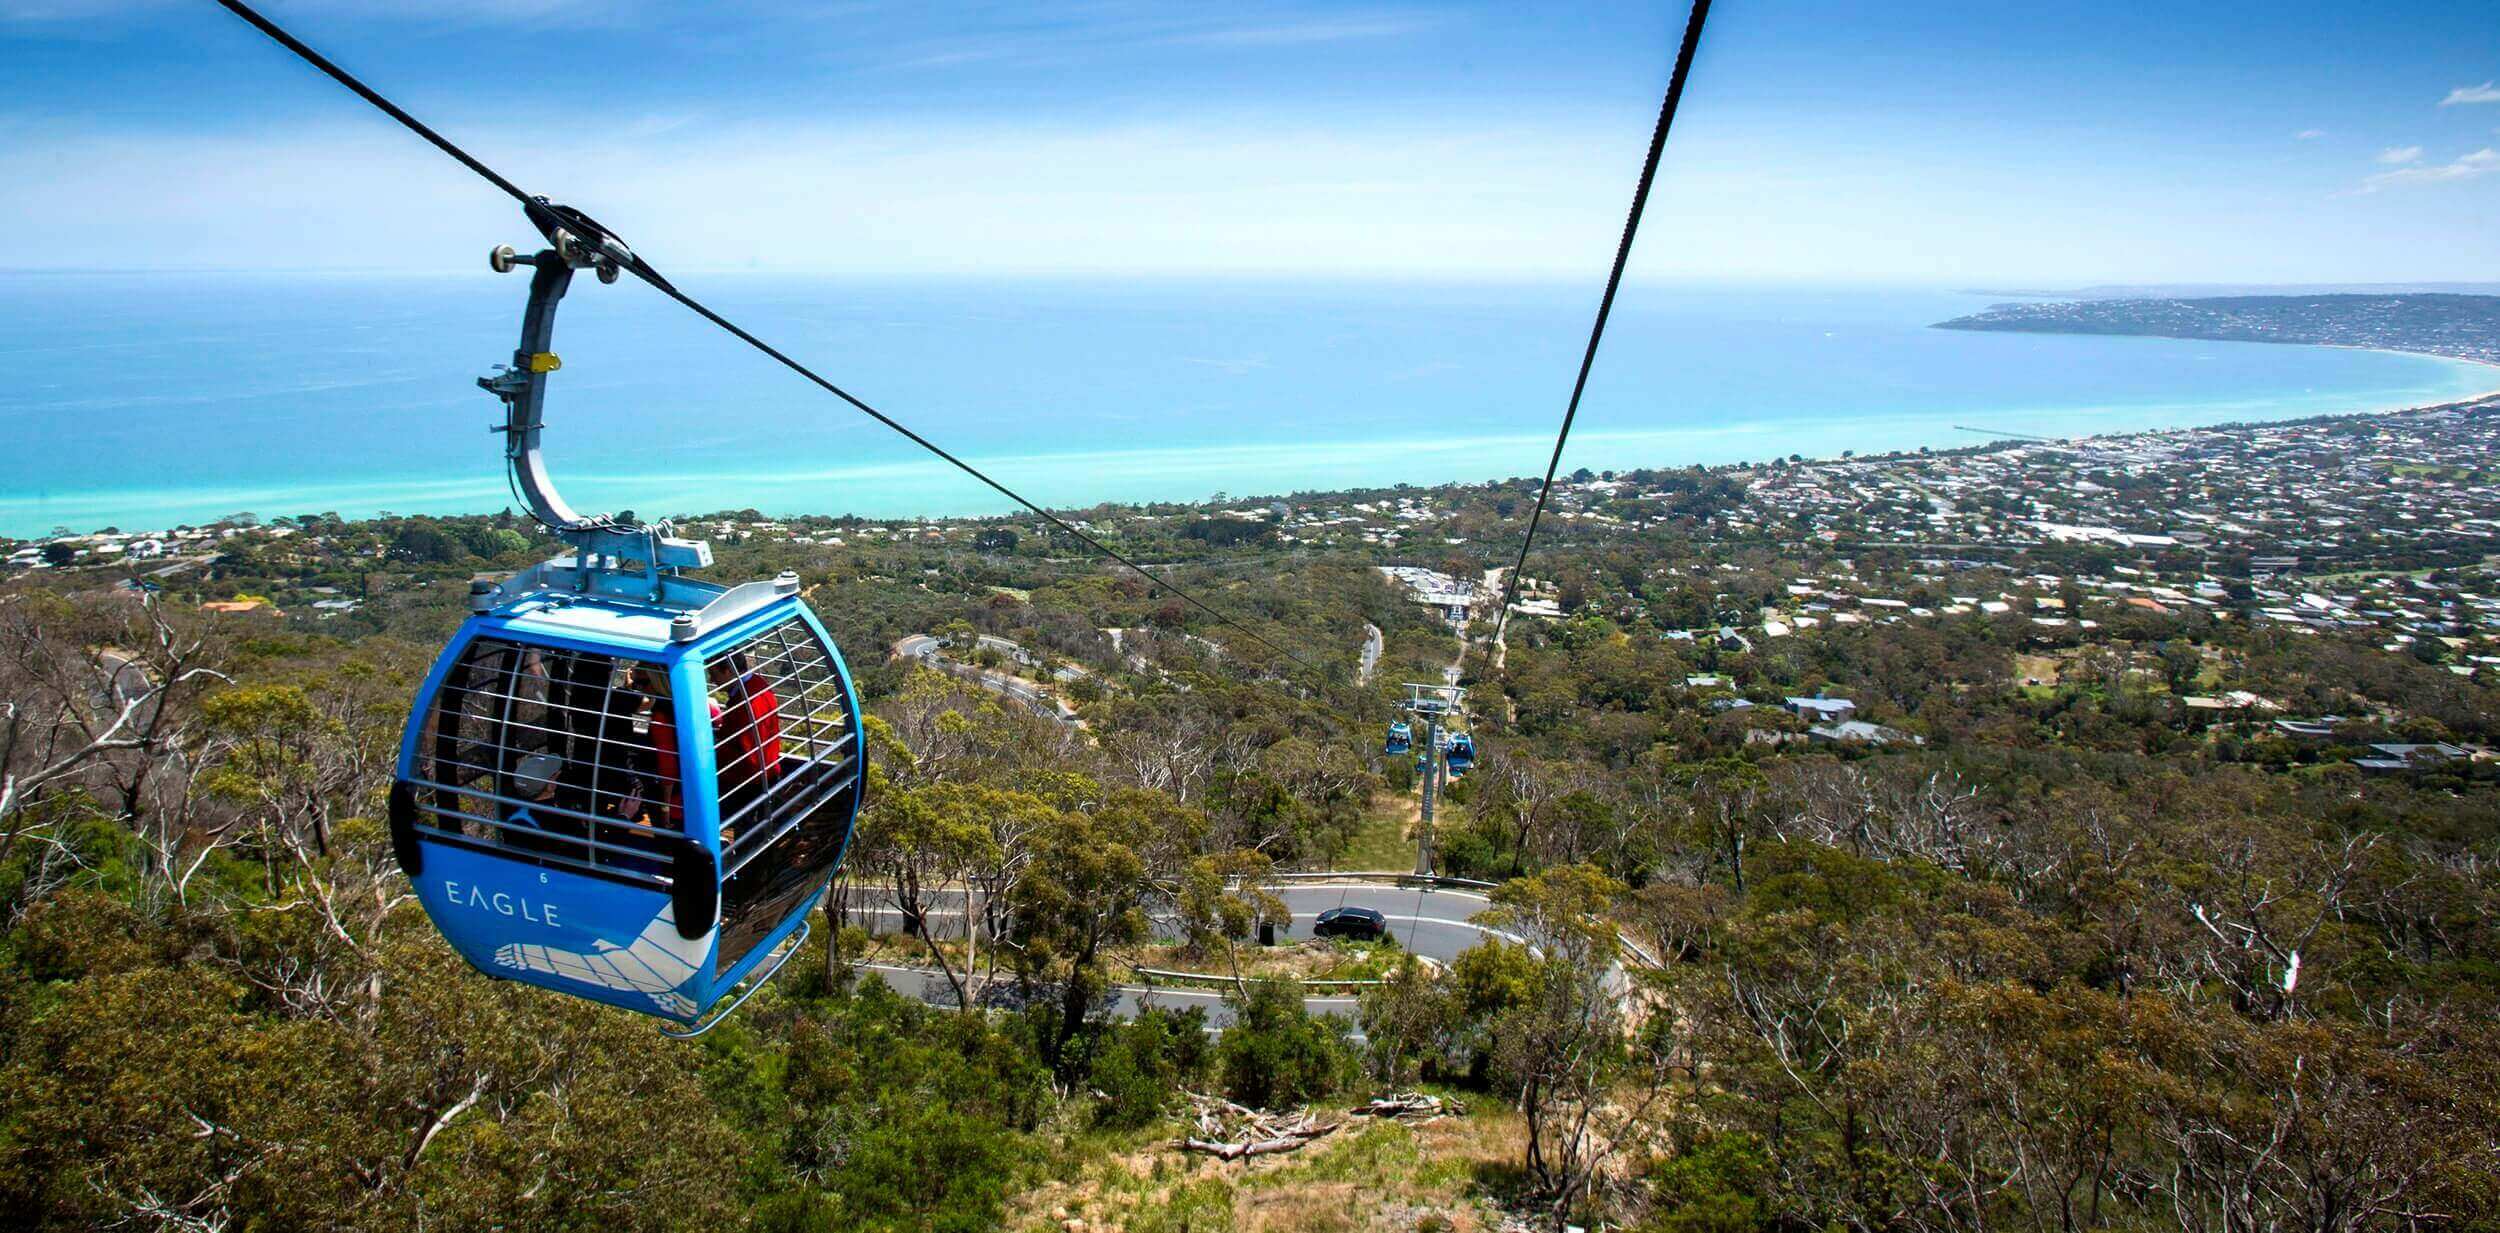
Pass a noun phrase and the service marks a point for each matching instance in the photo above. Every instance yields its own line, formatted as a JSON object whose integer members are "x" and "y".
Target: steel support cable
{"x": 547, "y": 214}
{"x": 1606, "y": 303}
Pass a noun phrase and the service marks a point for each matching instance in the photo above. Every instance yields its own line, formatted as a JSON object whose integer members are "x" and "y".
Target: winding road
{"x": 932, "y": 651}
{"x": 1126, "y": 1001}
{"x": 1437, "y": 924}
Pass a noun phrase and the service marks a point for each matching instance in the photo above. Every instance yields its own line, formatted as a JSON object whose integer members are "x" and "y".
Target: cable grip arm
{"x": 522, "y": 387}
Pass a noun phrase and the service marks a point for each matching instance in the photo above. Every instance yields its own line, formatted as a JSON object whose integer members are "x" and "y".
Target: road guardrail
{"x": 1378, "y": 875}
{"x": 1222, "y": 979}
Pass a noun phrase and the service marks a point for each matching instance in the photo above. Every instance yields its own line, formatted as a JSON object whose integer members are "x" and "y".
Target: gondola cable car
{"x": 1401, "y": 738}
{"x": 675, "y": 831}
{"x": 619, "y": 782}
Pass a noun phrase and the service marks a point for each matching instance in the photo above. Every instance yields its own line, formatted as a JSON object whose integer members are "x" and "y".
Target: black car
{"x": 1363, "y": 924}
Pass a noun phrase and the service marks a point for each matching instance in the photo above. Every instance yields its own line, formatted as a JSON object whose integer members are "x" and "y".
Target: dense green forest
{"x": 2068, "y": 954}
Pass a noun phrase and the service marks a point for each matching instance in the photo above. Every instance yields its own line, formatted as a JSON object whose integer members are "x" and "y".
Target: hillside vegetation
{"x": 2062, "y": 952}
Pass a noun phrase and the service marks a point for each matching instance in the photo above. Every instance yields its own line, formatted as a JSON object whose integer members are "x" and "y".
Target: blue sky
{"x": 1949, "y": 143}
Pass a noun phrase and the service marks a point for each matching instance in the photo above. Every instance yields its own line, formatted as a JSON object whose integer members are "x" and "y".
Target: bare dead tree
{"x": 95, "y": 697}
{"x": 1882, "y": 813}
{"x": 2261, "y": 926}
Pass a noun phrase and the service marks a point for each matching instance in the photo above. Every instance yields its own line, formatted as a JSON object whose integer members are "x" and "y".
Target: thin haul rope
{"x": 1606, "y": 304}
{"x": 540, "y": 209}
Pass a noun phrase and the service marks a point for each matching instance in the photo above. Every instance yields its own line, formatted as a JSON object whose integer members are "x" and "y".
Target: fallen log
{"x": 1228, "y": 1131}
{"x": 1292, "y": 1140}
{"x": 1403, "y": 1105}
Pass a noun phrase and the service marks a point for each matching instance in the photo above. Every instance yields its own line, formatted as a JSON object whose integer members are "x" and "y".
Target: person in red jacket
{"x": 746, "y": 732}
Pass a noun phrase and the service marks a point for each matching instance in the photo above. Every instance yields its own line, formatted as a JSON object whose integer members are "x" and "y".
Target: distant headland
{"x": 2462, "y": 327}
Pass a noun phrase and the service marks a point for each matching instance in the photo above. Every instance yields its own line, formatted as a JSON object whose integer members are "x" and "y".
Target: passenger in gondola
{"x": 746, "y": 726}
{"x": 651, "y": 803}
{"x": 538, "y": 823}
{"x": 576, "y": 686}
{"x": 539, "y": 772}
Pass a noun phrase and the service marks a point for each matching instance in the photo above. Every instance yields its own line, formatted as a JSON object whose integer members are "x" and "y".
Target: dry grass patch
{"x": 2037, "y": 669}
{"x": 1386, "y": 838}
{"x": 1383, "y": 1176}
{"x": 1306, "y": 960}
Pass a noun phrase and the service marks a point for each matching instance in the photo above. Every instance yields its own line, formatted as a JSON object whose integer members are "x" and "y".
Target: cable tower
{"x": 1431, "y": 704}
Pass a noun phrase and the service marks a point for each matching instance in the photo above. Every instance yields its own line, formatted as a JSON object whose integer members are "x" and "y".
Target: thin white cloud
{"x": 2488, "y": 92}
{"x": 2483, "y": 162}
{"x": 1288, "y": 34}
{"x": 1486, "y": 191}
{"x": 1489, "y": 196}
{"x": 51, "y": 15}
{"x": 2400, "y": 155}
{"x": 38, "y": 12}
{"x": 1089, "y": 34}
{"x": 2309, "y": 134}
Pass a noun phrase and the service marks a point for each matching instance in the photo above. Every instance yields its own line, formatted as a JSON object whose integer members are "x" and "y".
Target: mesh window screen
{"x": 570, "y": 757}
{"x": 788, "y": 775}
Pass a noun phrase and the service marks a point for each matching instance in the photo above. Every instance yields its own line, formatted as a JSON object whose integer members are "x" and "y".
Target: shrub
{"x": 1715, "y": 1186}
{"x": 1276, "y": 1053}
{"x": 1138, "y": 1065}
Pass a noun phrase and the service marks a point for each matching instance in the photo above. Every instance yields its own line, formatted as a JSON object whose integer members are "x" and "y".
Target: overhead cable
{"x": 1606, "y": 303}
{"x": 549, "y": 216}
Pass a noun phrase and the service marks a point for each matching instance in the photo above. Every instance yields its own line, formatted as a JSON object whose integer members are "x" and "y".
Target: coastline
{"x": 1986, "y": 322}
{"x": 917, "y": 488}
{"x": 2484, "y": 396}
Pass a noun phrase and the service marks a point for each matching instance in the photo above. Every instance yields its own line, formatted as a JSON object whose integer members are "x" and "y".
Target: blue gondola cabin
{"x": 632, "y": 800}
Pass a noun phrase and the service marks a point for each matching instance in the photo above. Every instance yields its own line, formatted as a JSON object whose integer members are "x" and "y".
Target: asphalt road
{"x": 930, "y": 651}
{"x": 1436, "y": 924}
{"x": 1126, "y": 1000}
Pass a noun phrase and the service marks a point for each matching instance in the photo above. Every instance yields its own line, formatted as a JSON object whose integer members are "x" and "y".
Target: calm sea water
{"x": 145, "y": 400}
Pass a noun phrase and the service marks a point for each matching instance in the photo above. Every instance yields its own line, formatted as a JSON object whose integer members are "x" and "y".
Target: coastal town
{"x": 2334, "y": 525}
{"x": 2162, "y": 569}
{"x": 2381, "y": 532}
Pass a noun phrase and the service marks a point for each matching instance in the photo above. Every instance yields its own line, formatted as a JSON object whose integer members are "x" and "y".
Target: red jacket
{"x": 664, "y": 755}
{"x": 757, "y": 743}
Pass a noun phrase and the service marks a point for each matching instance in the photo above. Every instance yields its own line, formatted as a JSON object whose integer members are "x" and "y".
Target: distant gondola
{"x": 1401, "y": 738}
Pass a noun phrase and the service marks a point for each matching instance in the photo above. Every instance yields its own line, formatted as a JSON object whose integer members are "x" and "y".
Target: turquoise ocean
{"x": 145, "y": 400}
